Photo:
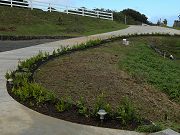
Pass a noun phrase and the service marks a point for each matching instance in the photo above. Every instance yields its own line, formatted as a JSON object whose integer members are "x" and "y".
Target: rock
{"x": 166, "y": 132}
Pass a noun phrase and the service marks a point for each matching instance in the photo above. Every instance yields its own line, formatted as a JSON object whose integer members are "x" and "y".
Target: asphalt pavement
{"x": 8, "y": 45}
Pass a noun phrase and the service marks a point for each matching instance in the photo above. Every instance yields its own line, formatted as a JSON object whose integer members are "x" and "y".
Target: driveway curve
{"x": 16, "y": 119}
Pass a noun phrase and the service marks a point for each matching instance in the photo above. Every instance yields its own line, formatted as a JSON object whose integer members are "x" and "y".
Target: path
{"x": 16, "y": 119}
{"x": 8, "y": 45}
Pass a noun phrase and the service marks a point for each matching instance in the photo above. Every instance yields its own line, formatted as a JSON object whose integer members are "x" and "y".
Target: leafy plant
{"x": 82, "y": 109}
{"x": 62, "y": 106}
{"x": 31, "y": 63}
{"x": 33, "y": 91}
{"x": 20, "y": 78}
{"x": 46, "y": 55}
{"x": 101, "y": 104}
{"x": 149, "y": 128}
{"x": 126, "y": 112}
{"x": 8, "y": 75}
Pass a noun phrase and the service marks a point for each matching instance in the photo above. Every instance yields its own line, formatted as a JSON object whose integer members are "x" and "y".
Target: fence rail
{"x": 34, "y": 4}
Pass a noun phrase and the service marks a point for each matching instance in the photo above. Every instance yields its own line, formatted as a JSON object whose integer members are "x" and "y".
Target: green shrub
{"x": 8, "y": 75}
{"x": 149, "y": 128}
{"x": 101, "y": 104}
{"x": 33, "y": 91}
{"x": 126, "y": 112}
{"x": 31, "y": 62}
{"x": 22, "y": 93}
{"x": 20, "y": 78}
{"x": 82, "y": 109}
{"x": 62, "y": 106}
{"x": 46, "y": 55}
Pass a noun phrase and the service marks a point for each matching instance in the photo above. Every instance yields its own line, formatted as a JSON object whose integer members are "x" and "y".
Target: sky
{"x": 153, "y": 9}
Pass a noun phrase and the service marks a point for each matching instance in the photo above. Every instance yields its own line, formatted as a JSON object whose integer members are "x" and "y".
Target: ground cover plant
{"x": 102, "y": 77}
{"x": 38, "y": 22}
{"x": 178, "y": 28}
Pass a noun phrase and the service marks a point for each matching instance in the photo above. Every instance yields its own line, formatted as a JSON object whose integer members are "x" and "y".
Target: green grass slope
{"x": 20, "y": 21}
{"x": 178, "y": 28}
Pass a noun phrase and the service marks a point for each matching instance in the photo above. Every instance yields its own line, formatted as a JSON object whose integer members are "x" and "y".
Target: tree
{"x": 137, "y": 16}
{"x": 158, "y": 22}
{"x": 165, "y": 22}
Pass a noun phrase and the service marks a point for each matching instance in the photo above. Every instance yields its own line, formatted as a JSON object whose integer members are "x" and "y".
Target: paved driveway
{"x": 16, "y": 119}
{"x": 8, "y": 45}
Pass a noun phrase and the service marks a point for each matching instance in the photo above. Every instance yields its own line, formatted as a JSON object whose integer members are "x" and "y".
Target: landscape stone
{"x": 166, "y": 132}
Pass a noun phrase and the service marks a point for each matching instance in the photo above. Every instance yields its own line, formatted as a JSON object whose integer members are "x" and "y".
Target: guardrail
{"x": 33, "y": 4}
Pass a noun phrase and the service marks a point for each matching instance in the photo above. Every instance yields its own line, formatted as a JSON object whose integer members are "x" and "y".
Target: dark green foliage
{"x": 63, "y": 105}
{"x": 34, "y": 92}
{"x": 101, "y": 103}
{"x": 126, "y": 112}
{"x": 21, "y": 78}
{"x": 137, "y": 16}
{"x": 31, "y": 63}
{"x": 8, "y": 75}
{"x": 120, "y": 17}
{"x": 82, "y": 109}
{"x": 165, "y": 22}
{"x": 149, "y": 128}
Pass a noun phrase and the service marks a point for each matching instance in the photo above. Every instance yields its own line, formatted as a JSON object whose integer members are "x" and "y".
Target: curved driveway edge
{"x": 16, "y": 119}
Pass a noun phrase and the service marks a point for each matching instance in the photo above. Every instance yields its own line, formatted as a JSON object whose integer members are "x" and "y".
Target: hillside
{"x": 20, "y": 21}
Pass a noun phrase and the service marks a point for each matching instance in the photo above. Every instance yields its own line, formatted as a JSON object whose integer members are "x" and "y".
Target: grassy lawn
{"x": 135, "y": 71}
{"x": 19, "y": 21}
{"x": 178, "y": 28}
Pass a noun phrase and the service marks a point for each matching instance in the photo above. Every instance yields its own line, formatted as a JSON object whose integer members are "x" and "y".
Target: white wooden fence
{"x": 58, "y": 8}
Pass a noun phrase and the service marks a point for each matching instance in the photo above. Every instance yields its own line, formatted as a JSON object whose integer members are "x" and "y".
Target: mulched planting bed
{"x": 71, "y": 115}
{"x": 91, "y": 72}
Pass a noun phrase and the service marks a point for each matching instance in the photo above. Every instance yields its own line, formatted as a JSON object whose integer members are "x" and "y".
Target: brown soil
{"x": 7, "y": 29}
{"x": 92, "y": 72}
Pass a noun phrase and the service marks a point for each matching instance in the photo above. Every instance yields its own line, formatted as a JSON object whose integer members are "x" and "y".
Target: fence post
{"x": 66, "y": 9}
{"x": 112, "y": 16}
{"x": 31, "y": 4}
{"x": 97, "y": 14}
{"x": 11, "y": 4}
{"x": 125, "y": 20}
{"x": 83, "y": 11}
{"x": 50, "y": 7}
